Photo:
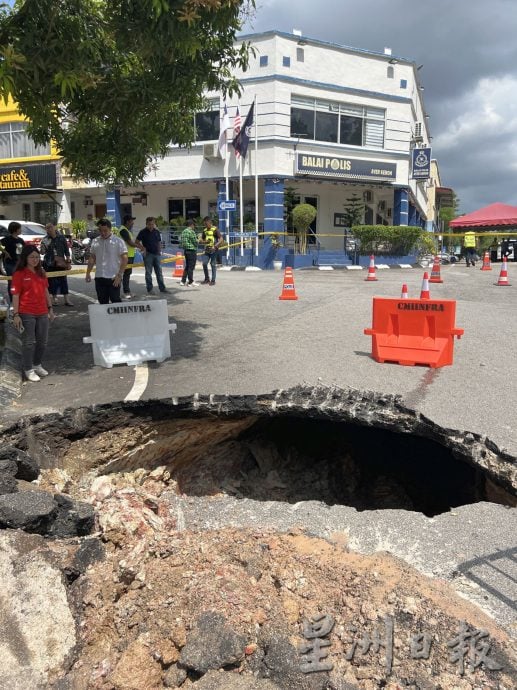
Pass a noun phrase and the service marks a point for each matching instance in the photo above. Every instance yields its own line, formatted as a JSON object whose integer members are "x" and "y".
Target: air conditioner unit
{"x": 368, "y": 196}
{"x": 417, "y": 136}
{"x": 210, "y": 151}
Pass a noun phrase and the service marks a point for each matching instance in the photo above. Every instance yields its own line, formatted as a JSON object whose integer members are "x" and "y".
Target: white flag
{"x": 225, "y": 125}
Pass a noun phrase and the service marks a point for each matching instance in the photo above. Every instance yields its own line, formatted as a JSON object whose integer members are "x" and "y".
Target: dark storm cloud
{"x": 459, "y": 43}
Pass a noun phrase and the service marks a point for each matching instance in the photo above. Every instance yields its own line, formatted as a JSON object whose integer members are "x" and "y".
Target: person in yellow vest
{"x": 125, "y": 233}
{"x": 212, "y": 239}
{"x": 469, "y": 242}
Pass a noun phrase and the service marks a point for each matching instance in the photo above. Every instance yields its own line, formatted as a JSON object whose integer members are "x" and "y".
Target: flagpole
{"x": 256, "y": 181}
{"x": 241, "y": 207}
{"x": 226, "y": 175}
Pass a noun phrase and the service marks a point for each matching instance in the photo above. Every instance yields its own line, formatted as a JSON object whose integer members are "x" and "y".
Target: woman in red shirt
{"x": 32, "y": 306}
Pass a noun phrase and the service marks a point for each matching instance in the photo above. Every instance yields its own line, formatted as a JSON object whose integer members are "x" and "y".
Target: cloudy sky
{"x": 468, "y": 49}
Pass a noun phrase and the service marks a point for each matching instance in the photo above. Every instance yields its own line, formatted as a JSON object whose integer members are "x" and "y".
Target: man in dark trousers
{"x": 125, "y": 233}
{"x": 149, "y": 241}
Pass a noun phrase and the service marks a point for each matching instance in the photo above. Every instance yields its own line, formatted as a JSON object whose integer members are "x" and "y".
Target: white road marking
{"x": 81, "y": 294}
{"x": 140, "y": 384}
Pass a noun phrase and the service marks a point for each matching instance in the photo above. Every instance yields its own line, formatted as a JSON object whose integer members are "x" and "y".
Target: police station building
{"x": 330, "y": 121}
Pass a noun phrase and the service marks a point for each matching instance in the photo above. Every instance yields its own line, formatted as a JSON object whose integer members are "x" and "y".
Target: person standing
{"x": 109, "y": 254}
{"x": 126, "y": 234}
{"x": 56, "y": 258}
{"x": 469, "y": 242}
{"x": 212, "y": 239}
{"x": 32, "y": 305}
{"x": 149, "y": 241}
{"x": 13, "y": 246}
{"x": 189, "y": 244}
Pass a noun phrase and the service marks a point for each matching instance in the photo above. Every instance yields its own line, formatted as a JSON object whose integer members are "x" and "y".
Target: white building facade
{"x": 331, "y": 121}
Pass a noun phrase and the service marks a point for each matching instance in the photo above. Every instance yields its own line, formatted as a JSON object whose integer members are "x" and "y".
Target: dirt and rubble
{"x": 148, "y": 602}
{"x": 140, "y": 607}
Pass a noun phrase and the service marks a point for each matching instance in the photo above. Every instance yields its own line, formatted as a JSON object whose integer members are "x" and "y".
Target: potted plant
{"x": 276, "y": 244}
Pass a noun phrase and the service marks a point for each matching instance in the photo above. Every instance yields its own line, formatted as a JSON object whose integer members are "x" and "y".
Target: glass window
{"x": 15, "y": 143}
{"x": 302, "y": 123}
{"x": 207, "y": 125}
{"x": 351, "y": 131}
{"x": 344, "y": 123}
{"x": 300, "y": 55}
{"x": 326, "y": 126}
{"x": 403, "y": 83}
{"x": 263, "y": 60}
{"x": 391, "y": 72}
{"x": 286, "y": 61}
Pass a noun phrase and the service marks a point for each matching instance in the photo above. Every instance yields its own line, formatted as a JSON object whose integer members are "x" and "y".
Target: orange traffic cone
{"x": 288, "y": 291}
{"x": 404, "y": 294}
{"x": 503, "y": 276}
{"x": 486, "y": 262}
{"x": 435, "y": 271}
{"x": 425, "y": 294}
{"x": 178, "y": 268}
{"x": 371, "y": 269}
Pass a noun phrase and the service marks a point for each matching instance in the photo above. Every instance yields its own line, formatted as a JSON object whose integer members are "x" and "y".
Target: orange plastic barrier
{"x": 178, "y": 268}
{"x": 413, "y": 331}
{"x": 288, "y": 291}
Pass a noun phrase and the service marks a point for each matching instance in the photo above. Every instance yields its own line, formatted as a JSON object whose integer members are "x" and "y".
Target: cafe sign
{"x": 349, "y": 168}
{"x": 17, "y": 178}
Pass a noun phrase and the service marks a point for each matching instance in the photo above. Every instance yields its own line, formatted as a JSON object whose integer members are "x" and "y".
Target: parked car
{"x": 32, "y": 233}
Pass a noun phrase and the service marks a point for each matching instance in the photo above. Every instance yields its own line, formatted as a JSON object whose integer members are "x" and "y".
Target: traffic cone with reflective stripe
{"x": 404, "y": 294}
{"x": 424, "y": 293}
{"x": 288, "y": 291}
{"x": 486, "y": 262}
{"x": 435, "y": 271}
{"x": 179, "y": 267}
{"x": 503, "y": 276}
{"x": 371, "y": 270}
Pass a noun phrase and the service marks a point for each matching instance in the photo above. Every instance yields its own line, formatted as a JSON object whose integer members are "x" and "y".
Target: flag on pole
{"x": 225, "y": 125}
{"x": 236, "y": 125}
{"x": 242, "y": 139}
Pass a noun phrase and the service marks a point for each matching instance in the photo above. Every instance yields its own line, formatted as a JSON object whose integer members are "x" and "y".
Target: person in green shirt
{"x": 189, "y": 243}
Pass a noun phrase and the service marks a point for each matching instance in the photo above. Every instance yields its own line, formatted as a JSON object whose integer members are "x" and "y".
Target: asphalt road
{"x": 237, "y": 337}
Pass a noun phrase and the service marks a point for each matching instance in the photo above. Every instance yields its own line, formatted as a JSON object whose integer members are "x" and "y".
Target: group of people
{"x": 33, "y": 290}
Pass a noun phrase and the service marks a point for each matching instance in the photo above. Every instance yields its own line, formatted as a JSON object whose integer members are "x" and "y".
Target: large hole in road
{"x": 341, "y": 448}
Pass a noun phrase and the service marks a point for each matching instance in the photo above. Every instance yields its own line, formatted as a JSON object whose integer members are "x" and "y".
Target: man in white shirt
{"x": 109, "y": 254}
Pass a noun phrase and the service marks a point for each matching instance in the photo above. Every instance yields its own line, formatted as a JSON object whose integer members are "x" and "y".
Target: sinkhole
{"x": 356, "y": 449}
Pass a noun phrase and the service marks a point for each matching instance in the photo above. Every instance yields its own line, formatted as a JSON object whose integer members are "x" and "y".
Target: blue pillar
{"x": 400, "y": 207}
{"x": 113, "y": 206}
{"x": 411, "y": 215}
{"x": 273, "y": 217}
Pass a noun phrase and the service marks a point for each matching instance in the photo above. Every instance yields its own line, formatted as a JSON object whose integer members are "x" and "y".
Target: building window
{"x": 403, "y": 83}
{"x": 183, "y": 209}
{"x": 286, "y": 61}
{"x": 341, "y": 123}
{"x": 391, "y": 72}
{"x": 300, "y": 55}
{"x": 263, "y": 61}
{"x": 207, "y": 122}
{"x": 16, "y": 143}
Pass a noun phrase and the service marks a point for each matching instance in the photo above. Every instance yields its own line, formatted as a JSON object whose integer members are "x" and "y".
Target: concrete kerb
{"x": 10, "y": 365}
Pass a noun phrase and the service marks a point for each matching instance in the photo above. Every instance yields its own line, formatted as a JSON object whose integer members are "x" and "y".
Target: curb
{"x": 10, "y": 365}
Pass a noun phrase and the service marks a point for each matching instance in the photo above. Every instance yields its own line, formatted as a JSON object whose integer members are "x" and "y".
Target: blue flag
{"x": 242, "y": 139}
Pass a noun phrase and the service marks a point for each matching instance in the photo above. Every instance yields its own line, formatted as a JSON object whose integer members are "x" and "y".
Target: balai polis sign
{"x": 350, "y": 168}
{"x": 17, "y": 178}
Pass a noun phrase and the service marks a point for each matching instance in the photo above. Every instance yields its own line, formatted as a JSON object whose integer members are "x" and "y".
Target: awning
{"x": 495, "y": 215}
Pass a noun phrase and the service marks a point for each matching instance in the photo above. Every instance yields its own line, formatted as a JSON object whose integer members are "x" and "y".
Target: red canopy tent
{"x": 495, "y": 215}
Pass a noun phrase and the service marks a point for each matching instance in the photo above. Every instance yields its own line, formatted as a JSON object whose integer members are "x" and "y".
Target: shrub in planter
{"x": 388, "y": 240}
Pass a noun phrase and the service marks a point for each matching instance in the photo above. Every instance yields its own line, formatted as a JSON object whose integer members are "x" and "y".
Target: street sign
{"x": 227, "y": 205}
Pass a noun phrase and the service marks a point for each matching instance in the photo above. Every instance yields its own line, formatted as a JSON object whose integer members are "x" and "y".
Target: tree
{"x": 303, "y": 215}
{"x": 114, "y": 83}
{"x": 354, "y": 211}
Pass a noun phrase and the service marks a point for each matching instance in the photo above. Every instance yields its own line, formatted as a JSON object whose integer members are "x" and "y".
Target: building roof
{"x": 489, "y": 216}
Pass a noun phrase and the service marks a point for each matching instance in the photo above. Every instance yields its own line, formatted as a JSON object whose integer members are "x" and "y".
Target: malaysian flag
{"x": 236, "y": 127}
{"x": 225, "y": 125}
{"x": 242, "y": 139}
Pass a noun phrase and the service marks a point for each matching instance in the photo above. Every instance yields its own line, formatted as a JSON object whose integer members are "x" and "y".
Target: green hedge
{"x": 389, "y": 240}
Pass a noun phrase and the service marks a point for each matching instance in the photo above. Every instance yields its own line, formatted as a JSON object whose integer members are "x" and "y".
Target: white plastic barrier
{"x": 129, "y": 333}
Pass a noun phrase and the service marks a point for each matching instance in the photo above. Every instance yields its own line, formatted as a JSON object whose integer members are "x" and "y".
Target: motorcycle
{"x": 80, "y": 250}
